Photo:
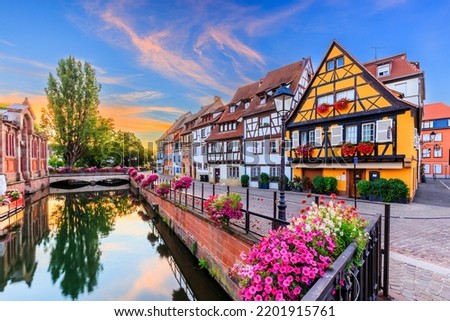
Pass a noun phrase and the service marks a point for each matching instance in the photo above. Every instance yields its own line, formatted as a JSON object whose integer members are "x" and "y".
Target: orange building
{"x": 435, "y": 140}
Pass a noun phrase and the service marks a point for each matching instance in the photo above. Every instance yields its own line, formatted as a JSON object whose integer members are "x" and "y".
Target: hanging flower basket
{"x": 183, "y": 182}
{"x": 304, "y": 151}
{"x": 322, "y": 108}
{"x": 163, "y": 189}
{"x": 365, "y": 148}
{"x": 348, "y": 149}
{"x": 222, "y": 208}
{"x": 341, "y": 104}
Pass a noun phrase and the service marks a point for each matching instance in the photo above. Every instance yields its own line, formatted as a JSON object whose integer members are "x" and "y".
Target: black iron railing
{"x": 341, "y": 283}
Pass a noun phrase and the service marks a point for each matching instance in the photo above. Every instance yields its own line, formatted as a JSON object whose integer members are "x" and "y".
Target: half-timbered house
{"x": 225, "y": 143}
{"x": 262, "y": 123}
{"x": 351, "y": 126}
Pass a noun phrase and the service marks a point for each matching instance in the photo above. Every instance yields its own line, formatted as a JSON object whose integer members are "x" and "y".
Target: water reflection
{"x": 98, "y": 246}
{"x": 81, "y": 221}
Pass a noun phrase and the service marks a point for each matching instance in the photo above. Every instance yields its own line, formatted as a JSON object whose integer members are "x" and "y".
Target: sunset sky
{"x": 158, "y": 59}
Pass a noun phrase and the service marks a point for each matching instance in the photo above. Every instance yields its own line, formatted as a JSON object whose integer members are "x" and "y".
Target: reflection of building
{"x": 435, "y": 140}
{"x": 18, "y": 247}
{"x": 345, "y": 103}
{"x": 23, "y": 156}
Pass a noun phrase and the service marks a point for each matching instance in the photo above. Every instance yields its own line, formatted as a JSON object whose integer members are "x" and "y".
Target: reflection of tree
{"x": 163, "y": 250}
{"x": 80, "y": 223}
{"x": 179, "y": 295}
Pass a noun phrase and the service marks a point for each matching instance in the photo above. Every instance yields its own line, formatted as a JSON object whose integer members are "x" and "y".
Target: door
{"x": 354, "y": 176}
{"x": 216, "y": 175}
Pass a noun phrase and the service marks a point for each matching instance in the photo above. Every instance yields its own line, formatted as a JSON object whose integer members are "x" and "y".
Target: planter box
{"x": 273, "y": 185}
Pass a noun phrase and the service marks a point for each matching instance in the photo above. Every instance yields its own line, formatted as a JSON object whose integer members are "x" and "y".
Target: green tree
{"x": 72, "y": 111}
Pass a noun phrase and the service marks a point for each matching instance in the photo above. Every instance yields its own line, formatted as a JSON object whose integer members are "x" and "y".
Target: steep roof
{"x": 436, "y": 111}
{"x": 207, "y": 110}
{"x": 289, "y": 74}
{"x": 400, "y": 67}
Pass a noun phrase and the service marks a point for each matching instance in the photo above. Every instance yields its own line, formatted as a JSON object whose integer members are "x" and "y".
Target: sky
{"x": 159, "y": 59}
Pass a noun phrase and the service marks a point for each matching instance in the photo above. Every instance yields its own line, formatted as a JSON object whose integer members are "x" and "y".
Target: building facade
{"x": 23, "y": 154}
{"x": 345, "y": 105}
{"x": 435, "y": 141}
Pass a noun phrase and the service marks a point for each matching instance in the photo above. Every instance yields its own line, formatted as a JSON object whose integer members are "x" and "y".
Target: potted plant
{"x": 222, "y": 208}
{"x": 330, "y": 184}
{"x": 245, "y": 180}
{"x": 397, "y": 191}
{"x": 163, "y": 189}
{"x": 364, "y": 188}
{"x": 365, "y": 148}
{"x": 323, "y": 108}
{"x": 341, "y": 104}
{"x": 184, "y": 182}
{"x": 264, "y": 180}
{"x": 379, "y": 190}
{"x": 304, "y": 150}
{"x": 348, "y": 149}
{"x": 296, "y": 184}
{"x": 318, "y": 184}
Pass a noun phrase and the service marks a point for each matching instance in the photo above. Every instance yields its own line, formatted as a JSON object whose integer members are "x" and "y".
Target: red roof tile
{"x": 436, "y": 111}
{"x": 400, "y": 67}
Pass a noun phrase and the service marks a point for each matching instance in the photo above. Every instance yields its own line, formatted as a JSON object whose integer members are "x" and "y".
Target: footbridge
{"x": 79, "y": 180}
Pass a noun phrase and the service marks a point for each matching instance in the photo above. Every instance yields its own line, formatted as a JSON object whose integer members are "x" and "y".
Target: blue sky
{"x": 158, "y": 59}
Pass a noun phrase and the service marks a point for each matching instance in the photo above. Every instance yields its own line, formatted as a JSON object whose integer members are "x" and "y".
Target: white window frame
{"x": 437, "y": 168}
{"x": 364, "y": 138}
{"x": 258, "y": 147}
{"x": 255, "y": 171}
{"x": 326, "y": 99}
{"x": 350, "y": 133}
{"x": 274, "y": 146}
{"x": 437, "y": 152}
{"x": 303, "y": 138}
{"x": 426, "y": 152}
{"x": 318, "y": 133}
{"x": 232, "y": 171}
{"x": 348, "y": 94}
{"x": 232, "y": 109}
{"x": 274, "y": 171}
{"x": 428, "y": 124}
{"x": 295, "y": 139}
{"x": 263, "y": 121}
{"x": 426, "y": 168}
{"x": 384, "y": 70}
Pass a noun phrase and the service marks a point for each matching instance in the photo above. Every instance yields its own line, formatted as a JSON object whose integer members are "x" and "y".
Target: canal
{"x": 97, "y": 246}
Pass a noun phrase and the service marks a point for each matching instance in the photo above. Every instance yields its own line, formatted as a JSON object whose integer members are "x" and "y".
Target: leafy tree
{"x": 72, "y": 111}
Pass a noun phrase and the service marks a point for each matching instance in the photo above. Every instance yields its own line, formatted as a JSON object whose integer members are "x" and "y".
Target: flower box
{"x": 365, "y": 148}
{"x": 323, "y": 108}
{"x": 341, "y": 104}
{"x": 348, "y": 149}
{"x": 222, "y": 208}
{"x": 304, "y": 151}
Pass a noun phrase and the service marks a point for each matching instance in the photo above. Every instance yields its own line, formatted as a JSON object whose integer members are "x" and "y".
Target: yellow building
{"x": 343, "y": 107}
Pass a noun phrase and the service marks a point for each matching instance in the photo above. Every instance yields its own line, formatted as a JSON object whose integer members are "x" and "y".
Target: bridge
{"x": 79, "y": 180}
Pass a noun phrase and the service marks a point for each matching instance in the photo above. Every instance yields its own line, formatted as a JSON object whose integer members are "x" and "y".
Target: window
{"x": 351, "y": 134}
{"x": 437, "y": 169}
{"x": 330, "y": 65}
{"x": 438, "y": 137}
{"x": 194, "y": 135}
{"x": 232, "y": 172}
{"x": 232, "y": 109}
{"x": 437, "y": 151}
{"x": 258, "y": 147}
{"x": 368, "y": 132}
{"x": 247, "y": 104}
{"x": 262, "y": 99}
{"x": 426, "y": 168}
{"x": 336, "y": 135}
{"x": 295, "y": 138}
{"x": 303, "y": 138}
{"x": 203, "y": 133}
{"x": 274, "y": 171}
{"x": 427, "y": 124}
{"x": 335, "y": 63}
{"x": 339, "y": 62}
{"x": 273, "y": 148}
{"x": 255, "y": 172}
{"x": 264, "y": 121}
{"x": 317, "y": 137}
{"x": 426, "y": 153}
{"x": 448, "y": 122}
{"x": 311, "y": 137}
{"x": 384, "y": 130}
{"x": 235, "y": 146}
{"x": 205, "y": 166}
{"x": 349, "y": 94}
{"x": 383, "y": 70}
{"x": 203, "y": 149}
{"x": 328, "y": 99}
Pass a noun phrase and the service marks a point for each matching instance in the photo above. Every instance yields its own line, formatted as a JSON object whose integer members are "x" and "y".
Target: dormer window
{"x": 247, "y": 104}
{"x": 383, "y": 70}
{"x": 262, "y": 99}
{"x": 232, "y": 109}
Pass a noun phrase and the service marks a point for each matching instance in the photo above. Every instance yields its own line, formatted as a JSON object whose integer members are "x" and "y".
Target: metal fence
{"x": 363, "y": 283}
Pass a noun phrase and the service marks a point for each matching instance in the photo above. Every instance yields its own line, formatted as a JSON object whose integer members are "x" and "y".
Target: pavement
{"x": 419, "y": 240}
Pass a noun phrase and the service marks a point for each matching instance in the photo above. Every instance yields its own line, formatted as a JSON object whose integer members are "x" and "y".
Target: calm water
{"x": 97, "y": 246}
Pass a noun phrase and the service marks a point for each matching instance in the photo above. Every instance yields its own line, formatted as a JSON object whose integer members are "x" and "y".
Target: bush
{"x": 264, "y": 178}
{"x": 364, "y": 187}
{"x": 318, "y": 184}
{"x": 245, "y": 180}
{"x": 306, "y": 183}
{"x": 380, "y": 188}
{"x": 397, "y": 191}
{"x": 330, "y": 184}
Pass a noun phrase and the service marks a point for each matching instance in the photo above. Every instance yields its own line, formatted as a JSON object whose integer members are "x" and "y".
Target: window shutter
{"x": 295, "y": 139}
{"x": 318, "y": 137}
{"x": 336, "y": 135}
{"x": 384, "y": 131}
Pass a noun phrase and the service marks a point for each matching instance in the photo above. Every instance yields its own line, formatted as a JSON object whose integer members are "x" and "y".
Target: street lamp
{"x": 283, "y": 100}
{"x": 432, "y": 136}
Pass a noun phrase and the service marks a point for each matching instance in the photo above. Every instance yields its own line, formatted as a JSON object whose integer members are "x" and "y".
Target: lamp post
{"x": 283, "y": 100}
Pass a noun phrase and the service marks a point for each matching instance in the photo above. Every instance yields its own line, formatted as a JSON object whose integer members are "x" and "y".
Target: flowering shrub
{"x": 138, "y": 178}
{"x": 149, "y": 180}
{"x": 365, "y": 148}
{"x": 163, "y": 189}
{"x": 183, "y": 182}
{"x": 222, "y": 208}
{"x": 287, "y": 262}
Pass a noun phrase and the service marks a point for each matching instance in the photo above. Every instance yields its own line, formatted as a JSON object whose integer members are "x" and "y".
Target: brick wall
{"x": 221, "y": 247}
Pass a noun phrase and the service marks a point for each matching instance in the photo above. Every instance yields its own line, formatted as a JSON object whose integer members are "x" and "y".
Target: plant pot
{"x": 264, "y": 185}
